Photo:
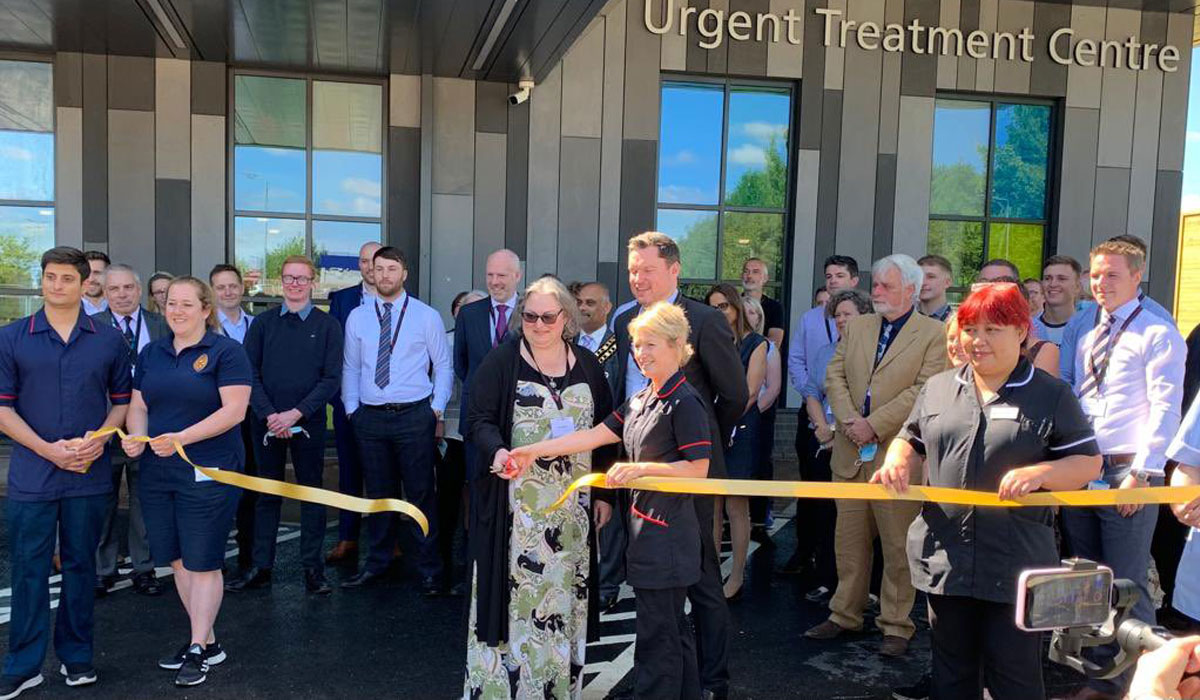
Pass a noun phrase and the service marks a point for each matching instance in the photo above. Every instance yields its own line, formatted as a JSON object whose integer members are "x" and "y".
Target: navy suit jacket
{"x": 156, "y": 324}
{"x": 472, "y": 342}
{"x": 343, "y": 301}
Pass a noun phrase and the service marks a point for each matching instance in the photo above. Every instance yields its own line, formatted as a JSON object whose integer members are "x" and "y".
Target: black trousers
{"x": 308, "y": 460}
{"x": 816, "y": 519}
{"x": 761, "y": 505}
{"x": 350, "y": 480}
{"x": 1166, "y": 548}
{"x": 397, "y": 449}
{"x": 451, "y": 480}
{"x": 664, "y": 656}
{"x": 709, "y": 609}
{"x": 248, "y": 501}
{"x": 976, "y": 644}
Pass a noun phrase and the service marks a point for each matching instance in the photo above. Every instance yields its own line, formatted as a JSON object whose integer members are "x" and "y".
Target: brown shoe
{"x": 826, "y": 630}
{"x": 342, "y": 552}
{"x": 56, "y": 562}
{"x": 893, "y": 646}
{"x": 1086, "y": 693}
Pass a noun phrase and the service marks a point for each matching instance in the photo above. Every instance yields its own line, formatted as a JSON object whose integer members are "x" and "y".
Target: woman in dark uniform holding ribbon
{"x": 664, "y": 429}
{"x": 994, "y": 424}
{"x": 191, "y": 388}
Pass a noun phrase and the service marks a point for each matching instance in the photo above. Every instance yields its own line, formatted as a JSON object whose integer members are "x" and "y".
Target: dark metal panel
{"x": 68, "y": 79}
{"x": 827, "y": 179}
{"x": 404, "y": 197}
{"x": 748, "y": 57}
{"x": 918, "y": 72}
{"x": 606, "y": 272}
{"x": 697, "y": 57}
{"x": 562, "y": 34}
{"x": 536, "y": 39}
{"x": 172, "y": 225}
{"x": 95, "y": 148}
{"x": 516, "y": 206}
{"x": 812, "y": 88}
{"x": 639, "y": 168}
{"x": 208, "y": 88}
{"x": 131, "y": 83}
{"x": 885, "y": 205}
{"x": 1047, "y": 78}
{"x": 491, "y": 107}
{"x": 1164, "y": 239}
{"x": 468, "y": 22}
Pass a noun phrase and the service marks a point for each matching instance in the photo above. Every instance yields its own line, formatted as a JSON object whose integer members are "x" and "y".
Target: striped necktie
{"x": 383, "y": 361}
{"x": 1098, "y": 357}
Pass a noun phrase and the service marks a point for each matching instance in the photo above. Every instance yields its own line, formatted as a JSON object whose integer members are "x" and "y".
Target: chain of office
{"x": 1063, "y": 47}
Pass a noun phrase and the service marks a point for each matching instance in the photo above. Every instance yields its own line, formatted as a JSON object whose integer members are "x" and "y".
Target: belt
{"x": 1120, "y": 460}
{"x": 397, "y": 407}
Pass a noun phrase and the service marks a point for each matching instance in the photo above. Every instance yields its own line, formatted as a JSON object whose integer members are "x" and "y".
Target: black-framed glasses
{"x": 721, "y": 306}
{"x": 296, "y": 279}
{"x": 547, "y": 318}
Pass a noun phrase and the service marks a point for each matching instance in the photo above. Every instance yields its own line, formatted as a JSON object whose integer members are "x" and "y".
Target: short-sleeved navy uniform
{"x": 664, "y": 534}
{"x": 186, "y": 518}
{"x": 62, "y": 390}
{"x": 958, "y": 550}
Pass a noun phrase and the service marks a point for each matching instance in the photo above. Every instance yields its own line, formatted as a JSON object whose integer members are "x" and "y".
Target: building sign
{"x": 1063, "y": 46}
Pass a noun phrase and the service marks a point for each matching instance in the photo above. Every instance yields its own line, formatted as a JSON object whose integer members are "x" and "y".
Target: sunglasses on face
{"x": 722, "y": 306}
{"x": 547, "y": 318}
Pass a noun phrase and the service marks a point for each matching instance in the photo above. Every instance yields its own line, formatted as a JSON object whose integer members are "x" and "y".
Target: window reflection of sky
{"x": 689, "y": 168}
{"x": 347, "y": 183}
{"x": 960, "y": 133}
{"x": 28, "y": 165}
{"x": 269, "y": 179}
{"x": 758, "y": 120}
{"x": 25, "y": 232}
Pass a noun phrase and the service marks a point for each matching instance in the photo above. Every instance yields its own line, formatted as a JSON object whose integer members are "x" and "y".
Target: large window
{"x": 989, "y": 194}
{"x": 307, "y": 176}
{"x": 723, "y": 178}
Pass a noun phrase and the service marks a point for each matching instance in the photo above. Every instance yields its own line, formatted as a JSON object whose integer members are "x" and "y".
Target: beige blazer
{"x": 917, "y": 353}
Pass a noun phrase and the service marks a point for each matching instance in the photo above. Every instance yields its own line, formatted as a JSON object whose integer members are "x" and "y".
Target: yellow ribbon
{"x": 310, "y": 494}
{"x": 877, "y": 492}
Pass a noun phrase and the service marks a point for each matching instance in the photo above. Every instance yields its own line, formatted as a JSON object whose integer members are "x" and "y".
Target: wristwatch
{"x": 1141, "y": 476}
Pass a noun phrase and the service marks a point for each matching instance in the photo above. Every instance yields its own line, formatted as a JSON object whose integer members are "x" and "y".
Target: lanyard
{"x": 828, "y": 333}
{"x": 546, "y": 380}
{"x": 395, "y": 333}
{"x": 1112, "y": 343}
{"x": 137, "y": 334}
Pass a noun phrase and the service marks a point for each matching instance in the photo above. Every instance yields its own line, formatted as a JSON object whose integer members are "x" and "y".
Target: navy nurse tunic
{"x": 186, "y": 518}
{"x": 664, "y": 533}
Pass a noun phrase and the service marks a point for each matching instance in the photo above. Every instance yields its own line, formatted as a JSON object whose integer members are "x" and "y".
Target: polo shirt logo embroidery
{"x": 200, "y": 363}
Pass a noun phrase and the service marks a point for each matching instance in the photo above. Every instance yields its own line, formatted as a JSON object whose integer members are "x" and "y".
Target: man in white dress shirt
{"x": 1129, "y": 379}
{"x": 396, "y": 409}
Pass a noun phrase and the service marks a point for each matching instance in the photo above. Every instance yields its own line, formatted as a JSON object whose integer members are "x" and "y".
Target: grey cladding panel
{"x": 1047, "y": 78}
{"x": 579, "y": 208}
{"x": 827, "y": 188}
{"x": 1112, "y": 203}
{"x": 812, "y": 86}
{"x": 516, "y": 208}
{"x": 453, "y": 136}
{"x": 95, "y": 148}
{"x": 208, "y": 88}
{"x": 918, "y": 72}
{"x": 1164, "y": 249}
{"x": 490, "y": 166}
{"x": 748, "y": 57}
{"x": 1081, "y": 129}
{"x": 697, "y": 56}
{"x": 641, "y": 77}
{"x": 885, "y": 205}
{"x": 404, "y": 197}
{"x": 639, "y": 165}
{"x": 173, "y": 225}
{"x": 131, "y": 190}
{"x": 68, "y": 79}
{"x": 491, "y": 107}
{"x": 131, "y": 83}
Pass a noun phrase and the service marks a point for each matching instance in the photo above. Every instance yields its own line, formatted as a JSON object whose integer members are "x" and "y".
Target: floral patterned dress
{"x": 548, "y": 559}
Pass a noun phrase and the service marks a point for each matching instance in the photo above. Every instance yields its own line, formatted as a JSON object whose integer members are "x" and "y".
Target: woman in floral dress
{"x": 531, "y": 568}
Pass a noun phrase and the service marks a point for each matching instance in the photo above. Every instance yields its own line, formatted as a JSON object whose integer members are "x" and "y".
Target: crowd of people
{"x": 1074, "y": 380}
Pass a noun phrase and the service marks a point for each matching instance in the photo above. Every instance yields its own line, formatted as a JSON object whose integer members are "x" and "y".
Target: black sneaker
{"x": 193, "y": 670}
{"x": 78, "y": 674}
{"x": 213, "y": 655}
{"x": 12, "y": 686}
{"x": 916, "y": 691}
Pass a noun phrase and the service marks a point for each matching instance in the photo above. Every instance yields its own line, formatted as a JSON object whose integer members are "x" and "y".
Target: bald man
{"x": 341, "y": 303}
{"x": 481, "y": 326}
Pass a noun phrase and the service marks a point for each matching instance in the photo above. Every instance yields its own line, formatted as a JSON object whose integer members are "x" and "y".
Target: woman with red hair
{"x": 994, "y": 424}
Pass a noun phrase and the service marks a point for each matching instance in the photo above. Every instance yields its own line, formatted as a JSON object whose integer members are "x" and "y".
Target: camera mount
{"x": 1133, "y": 637}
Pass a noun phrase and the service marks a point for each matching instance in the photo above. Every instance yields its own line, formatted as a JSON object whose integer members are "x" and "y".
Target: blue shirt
{"x": 182, "y": 390}
{"x": 1185, "y": 448}
{"x": 1084, "y": 321}
{"x": 812, "y": 333}
{"x": 237, "y": 331}
{"x": 420, "y": 343}
{"x": 62, "y": 391}
{"x": 635, "y": 381}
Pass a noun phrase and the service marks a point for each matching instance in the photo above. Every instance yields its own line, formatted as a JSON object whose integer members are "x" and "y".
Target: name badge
{"x": 1004, "y": 413}
{"x": 561, "y": 426}
{"x": 1098, "y": 485}
{"x": 1093, "y": 407}
{"x": 866, "y": 453}
{"x": 200, "y": 476}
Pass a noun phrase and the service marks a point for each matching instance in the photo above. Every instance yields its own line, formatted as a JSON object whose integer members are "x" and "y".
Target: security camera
{"x": 526, "y": 89}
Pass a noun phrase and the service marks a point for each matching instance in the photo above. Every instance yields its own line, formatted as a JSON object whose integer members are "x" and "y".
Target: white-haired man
{"x": 879, "y": 367}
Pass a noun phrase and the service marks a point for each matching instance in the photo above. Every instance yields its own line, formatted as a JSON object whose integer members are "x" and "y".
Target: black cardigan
{"x": 493, "y": 391}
